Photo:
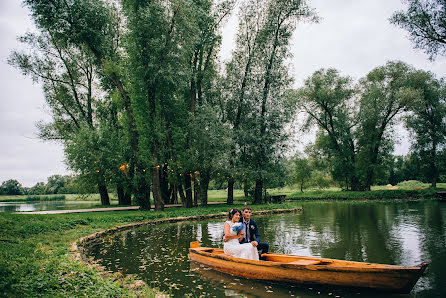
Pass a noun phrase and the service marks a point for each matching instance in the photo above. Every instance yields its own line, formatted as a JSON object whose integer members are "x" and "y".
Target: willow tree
{"x": 69, "y": 78}
{"x": 202, "y": 99}
{"x": 424, "y": 20}
{"x": 238, "y": 81}
{"x": 329, "y": 101}
{"x": 426, "y": 121}
{"x": 386, "y": 92}
{"x": 259, "y": 96}
{"x": 356, "y": 122}
{"x": 95, "y": 28}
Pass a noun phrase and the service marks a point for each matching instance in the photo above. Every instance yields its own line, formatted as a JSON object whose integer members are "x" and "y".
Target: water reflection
{"x": 45, "y": 205}
{"x": 401, "y": 233}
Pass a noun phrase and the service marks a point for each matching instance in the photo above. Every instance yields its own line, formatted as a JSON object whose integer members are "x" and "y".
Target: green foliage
{"x": 45, "y": 198}
{"x": 404, "y": 194}
{"x": 11, "y": 187}
{"x": 411, "y": 184}
{"x": 302, "y": 171}
{"x": 427, "y": 123}
{"x": 257, "y": 84}
{"x": 356, "y": 122}
{"x": 424, "y": 21}
{"x": 329, "y": 102}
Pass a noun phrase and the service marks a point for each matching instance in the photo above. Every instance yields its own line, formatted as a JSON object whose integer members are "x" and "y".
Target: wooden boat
{"x": 312, "y": 271}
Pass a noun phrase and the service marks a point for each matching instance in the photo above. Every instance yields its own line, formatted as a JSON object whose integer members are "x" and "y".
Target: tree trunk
{"x": 164, "y": 183}
{"x": 105, "y": 200}
{"x": 196, "y": 191}
{"x": 174, "y": 198}
{"x": 245, "y": 189}
{"x": 188, "y": 190}
{"x": 127, "y": 198}
{"x": 434, "y": 168}
{"x": 258, "y": 191}
{"x": 182, "y": 196}
{"x": 142, "y": 191}
{"x": 156, "y": 189}
{"x": 121, "y": 195}
{"x": 204, "y": 185}
{"x": 230, "y": 199}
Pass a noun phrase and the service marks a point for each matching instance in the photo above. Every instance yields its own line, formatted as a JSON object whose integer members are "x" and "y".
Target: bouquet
{"x": 237, "y": 227}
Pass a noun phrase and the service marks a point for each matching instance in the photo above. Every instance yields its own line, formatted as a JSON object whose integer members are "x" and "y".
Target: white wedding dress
{"x": 233, "y": 247}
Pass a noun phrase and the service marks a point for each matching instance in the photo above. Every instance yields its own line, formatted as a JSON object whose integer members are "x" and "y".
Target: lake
{"x": 391, "y": 232}
{"x": 45, "y": 205}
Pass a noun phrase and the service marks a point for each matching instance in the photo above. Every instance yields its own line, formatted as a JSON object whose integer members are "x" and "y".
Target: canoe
{"x": 310, "y": 270}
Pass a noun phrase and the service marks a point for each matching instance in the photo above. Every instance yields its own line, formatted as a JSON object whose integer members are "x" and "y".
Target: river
{"x": 391, "y": 232}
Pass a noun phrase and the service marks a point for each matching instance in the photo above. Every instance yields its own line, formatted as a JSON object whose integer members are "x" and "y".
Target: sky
{"x": 353, "y": 36}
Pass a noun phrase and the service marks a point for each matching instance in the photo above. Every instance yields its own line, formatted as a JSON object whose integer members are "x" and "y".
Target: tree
{"x": 11, "y": 187}
{"x": 203, "y": 96}
{"x": 302, "y": 171}
{"x": 355, "y": 123}
{"x": 386, "y": 92}
{"x": 95, "y": 28}
{"x": 55, "y": 183}
{"x": 330, "y": 102}
{"x": 38, "y": 189}
{"x": 424, "y": 21}
{"x": 427, "y": 122}
{"x": 258, "y": 81}
{"x": 67, "y": 74}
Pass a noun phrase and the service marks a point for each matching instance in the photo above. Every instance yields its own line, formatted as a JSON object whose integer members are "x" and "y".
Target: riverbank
{"x": 36, "y": 260}
{"x": 384, "y": 194}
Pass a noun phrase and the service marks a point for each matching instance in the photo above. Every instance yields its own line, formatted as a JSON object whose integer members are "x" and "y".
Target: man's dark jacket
{"x": 254, "y": 234}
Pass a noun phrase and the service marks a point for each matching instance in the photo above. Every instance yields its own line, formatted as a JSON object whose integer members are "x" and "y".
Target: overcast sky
{"x": 353, "y": 36}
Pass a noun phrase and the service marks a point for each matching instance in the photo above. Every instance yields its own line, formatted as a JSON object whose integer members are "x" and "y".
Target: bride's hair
{"x": 233, "y": 211}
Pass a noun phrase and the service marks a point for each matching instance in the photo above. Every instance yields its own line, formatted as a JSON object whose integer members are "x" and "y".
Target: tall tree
{"x": 238, "y": 83}
{"x": 427, "y": 121}
{"x": 424, "y": 20}
{"x": 386, "y": 92}
{"x": 302, "y": 171}
{"x": 96, "y": 28}
{"x": 329, "y": 101}
{"x": 356, "y": 122}
{"x": 11, "y": 187}
{"x": 203, "y": 95}
{"x": 262, "y": 49}
{"x": 69, "y": 80}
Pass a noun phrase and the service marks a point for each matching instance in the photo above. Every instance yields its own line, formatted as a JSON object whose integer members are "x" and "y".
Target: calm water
{"x": 400, "y": 233}
{"x": 45, "y": 205}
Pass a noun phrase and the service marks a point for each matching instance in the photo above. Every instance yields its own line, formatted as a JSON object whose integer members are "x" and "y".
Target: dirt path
{"x": 105, "y": 209}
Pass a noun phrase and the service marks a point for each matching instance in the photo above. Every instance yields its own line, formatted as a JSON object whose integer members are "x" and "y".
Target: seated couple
{"x": 242, "y": 238}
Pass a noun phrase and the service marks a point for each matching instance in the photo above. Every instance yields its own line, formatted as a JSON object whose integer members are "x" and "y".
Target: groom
{"x": 251, "y": 232}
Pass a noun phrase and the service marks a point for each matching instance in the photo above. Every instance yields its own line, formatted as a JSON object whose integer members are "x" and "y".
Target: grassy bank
{"x": 35, "y": 259}
{"x": 56, "y": 197}
{"x": 428, "y": 193}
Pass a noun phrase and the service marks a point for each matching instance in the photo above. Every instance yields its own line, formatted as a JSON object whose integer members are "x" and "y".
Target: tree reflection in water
{"x": 401, "y": 233}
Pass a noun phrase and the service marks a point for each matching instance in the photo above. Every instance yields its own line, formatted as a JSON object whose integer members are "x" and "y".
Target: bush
{"x": 411, "y": 184}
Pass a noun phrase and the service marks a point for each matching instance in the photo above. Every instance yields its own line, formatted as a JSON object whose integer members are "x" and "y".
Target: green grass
{"x": 427, "y": 193}
{"x": 221, "y": 195}
{"x": 35, "y": 259}
{"x": 34, "y": 249}
{"x": 45, "y": 198}
{"x": 66, "y": 197}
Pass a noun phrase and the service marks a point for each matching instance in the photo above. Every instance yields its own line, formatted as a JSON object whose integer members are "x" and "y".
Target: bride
{"x": 233, "y": 247}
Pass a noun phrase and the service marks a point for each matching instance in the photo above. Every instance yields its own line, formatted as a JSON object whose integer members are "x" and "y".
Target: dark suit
{"x": 254, "y": 235}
